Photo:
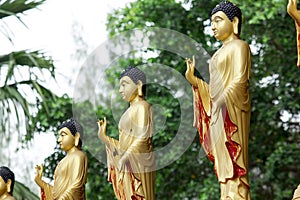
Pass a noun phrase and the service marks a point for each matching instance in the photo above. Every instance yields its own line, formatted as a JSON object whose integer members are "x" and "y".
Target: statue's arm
{"x": 237, "y": 91}
{"x": 77, "y": 173}
{"x": 45, "y": 187}
{"x": 190, "y": 69}
{"x": 102, "y": 134}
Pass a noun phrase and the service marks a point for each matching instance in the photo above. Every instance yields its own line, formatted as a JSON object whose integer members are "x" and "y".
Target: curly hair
{"x": 230, "y": 11}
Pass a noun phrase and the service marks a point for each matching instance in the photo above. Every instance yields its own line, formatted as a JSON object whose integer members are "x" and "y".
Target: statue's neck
{"x": 72, "y": 150}
{"x": 136, "y": 99}
{"x": 229, "y": 39}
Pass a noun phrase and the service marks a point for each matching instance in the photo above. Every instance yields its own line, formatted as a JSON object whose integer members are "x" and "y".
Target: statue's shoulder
{"x": 238, "y": 43}
{"x": 141, "y": 107}
{"x": 240, "y": 47}
{"x": 142, "y": 104}
{"x": 80, "y": 155}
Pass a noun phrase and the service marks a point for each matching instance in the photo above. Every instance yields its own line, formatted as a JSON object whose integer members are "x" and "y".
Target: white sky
{"x": 50, "y": 29}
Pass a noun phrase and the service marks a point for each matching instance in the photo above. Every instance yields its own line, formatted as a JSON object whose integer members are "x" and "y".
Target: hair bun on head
{"x": 72, "y": 125}
{"x": 134, "y": 74}
{"x": 6, "y": 175}
{"x": 229, "y": 9}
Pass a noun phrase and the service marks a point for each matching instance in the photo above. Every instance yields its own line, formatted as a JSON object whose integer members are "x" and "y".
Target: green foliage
{"x": 13, "y": 8}
{"x": 283, "y": 164}
{"x": 22, "y": 86}
{"x": 21, "y": 192}
{"x": 13, "y": 91}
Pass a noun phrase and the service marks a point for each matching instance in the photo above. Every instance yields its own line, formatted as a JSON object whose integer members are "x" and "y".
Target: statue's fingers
{"x": 295, "y": 2}
{"x": 194, "y": 61}
{"x": 187, "y": 65}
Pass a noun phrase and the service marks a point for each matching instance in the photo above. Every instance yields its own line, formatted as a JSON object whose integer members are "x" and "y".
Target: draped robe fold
{"x": 135, "y": 179}
{"x": 226, "y": 141}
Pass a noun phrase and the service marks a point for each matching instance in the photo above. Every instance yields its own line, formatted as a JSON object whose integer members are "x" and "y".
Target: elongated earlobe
{"x": 236, "y": 26}
{"x": 77, "y": 137}
{"x": 8, "y": 185}
{"x": 140, "y": 91}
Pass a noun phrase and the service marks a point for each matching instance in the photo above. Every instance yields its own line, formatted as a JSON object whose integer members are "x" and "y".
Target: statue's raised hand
{"x": 190, "y": 68}
{"x": 102, "y": 129}
{"x": 38, "y": 175}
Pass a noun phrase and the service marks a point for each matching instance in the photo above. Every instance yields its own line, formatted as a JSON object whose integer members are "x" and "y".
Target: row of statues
{"x": 221, "y": 116}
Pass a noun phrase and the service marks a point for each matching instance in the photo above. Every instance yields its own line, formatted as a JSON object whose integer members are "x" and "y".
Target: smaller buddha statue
{"x": 131, "y": 162}
{"x": 71, "y": 172}
{"x": 7, "y": 181}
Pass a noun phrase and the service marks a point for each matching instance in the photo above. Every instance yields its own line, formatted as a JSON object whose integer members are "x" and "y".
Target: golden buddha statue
{"x": 71, "y": 172}
{"x": 131, "y": 164}
{"x": 222, "y": 107}
{"x": 295, "y": 14}
{"x": 7, "y": 181}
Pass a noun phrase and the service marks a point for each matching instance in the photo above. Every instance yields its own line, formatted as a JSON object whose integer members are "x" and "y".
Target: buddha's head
{"x": 7, "y": 181}
{"x": 70, "y": 134}
{"x": 229, "y": 16}
{"x": 132, "y": 83}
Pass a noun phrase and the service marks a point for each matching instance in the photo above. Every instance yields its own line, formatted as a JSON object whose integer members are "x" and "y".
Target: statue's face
{"x": 3, "y": 187}
{"x": 66, "y": 140}
{"x": 128, "y": 88}
{"x": 221, "y": 26}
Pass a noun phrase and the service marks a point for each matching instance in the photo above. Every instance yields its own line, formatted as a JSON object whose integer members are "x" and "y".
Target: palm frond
{"x": 22, "y": 192}
{"x": 30, "y": 59}
{"x": 15, "y": 7}
{"x": 6, "y": 31}
{"x": 22, "y": 93}
{"x": 11, "y": 97}
{"x": 12, "y": 93}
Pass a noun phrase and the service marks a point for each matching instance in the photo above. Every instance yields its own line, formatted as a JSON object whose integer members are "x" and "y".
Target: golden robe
{"x": 296, "y": 193}
{"x": 69, "y": 178}
{"x": 136, "y": 178}
{"x": 226, "y": 141}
